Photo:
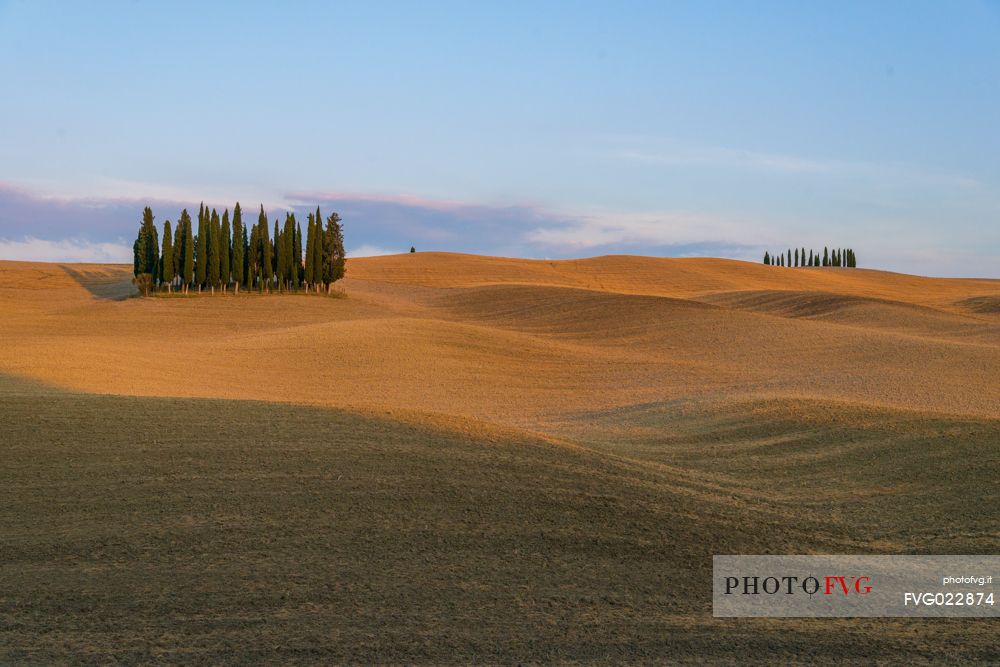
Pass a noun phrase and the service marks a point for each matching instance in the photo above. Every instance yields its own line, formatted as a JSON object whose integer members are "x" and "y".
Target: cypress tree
{"x": 274, "y": 251}
{"x": 335, "y": 261}
{"x": 826, "y": 256}
{"x": 307, "y": 275}
{"x": 246, "y": 258}
{"x": 146, "y": 252}
{"x": 266, "y": 265}
{"x": 153, "y": 249}
{"x": 767, "y": 258}
{"x": 297, "y": 253}
{"x": 796, "y": 257}
{"x": 288, "y": 249}
{"x": 215, "y": 231}
{"x": 281, "y": 268}
{"x": 253, "y": 258}
{"x": 236, "y": 250}
{"x": 178, "y": 250}
{"x": 201, "y": 262}
{"x": 225, "y": 251}
{"x": 167, "y": 263}
{"x": 139, "y": 251}
{"x": 319, "y": 251}
{"x": 187, "y": 274}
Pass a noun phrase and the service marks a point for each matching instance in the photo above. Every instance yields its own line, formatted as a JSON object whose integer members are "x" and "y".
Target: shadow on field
{"x": 104, "y": 282}
{"x": 203, "y": 531}
{"x": 982, "y": 304}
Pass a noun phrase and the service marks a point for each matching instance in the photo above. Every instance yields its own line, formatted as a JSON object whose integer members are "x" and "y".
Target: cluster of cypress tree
{"x": 220, "y": 255}
{"x": 838, "y": 257}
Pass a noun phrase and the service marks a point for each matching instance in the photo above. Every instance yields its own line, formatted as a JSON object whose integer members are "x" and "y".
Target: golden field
{"x": 471, "y": 458}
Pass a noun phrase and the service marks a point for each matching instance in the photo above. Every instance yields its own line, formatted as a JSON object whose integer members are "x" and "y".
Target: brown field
{"x": 481, "y": 459}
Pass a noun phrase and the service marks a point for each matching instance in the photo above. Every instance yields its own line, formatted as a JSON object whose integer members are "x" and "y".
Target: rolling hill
{"x": 477, "y": 458}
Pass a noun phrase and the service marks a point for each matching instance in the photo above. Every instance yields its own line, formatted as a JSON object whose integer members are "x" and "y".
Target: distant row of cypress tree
{"x": 218, "y": 255}
{"x": 843, "y": 257}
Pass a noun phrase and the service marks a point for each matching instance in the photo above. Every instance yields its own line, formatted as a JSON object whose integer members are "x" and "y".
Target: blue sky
{"x": 529, "y": 129}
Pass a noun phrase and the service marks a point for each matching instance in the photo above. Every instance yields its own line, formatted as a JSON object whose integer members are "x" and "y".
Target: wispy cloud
{"x": 600, "y": 230}
{"x": 666, "y": 152}
{"x": 49, "y": 228}
{"x": 399, "y": 221}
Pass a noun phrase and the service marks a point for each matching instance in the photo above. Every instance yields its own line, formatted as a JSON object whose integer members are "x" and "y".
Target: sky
{"x": 531, "y": 129}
